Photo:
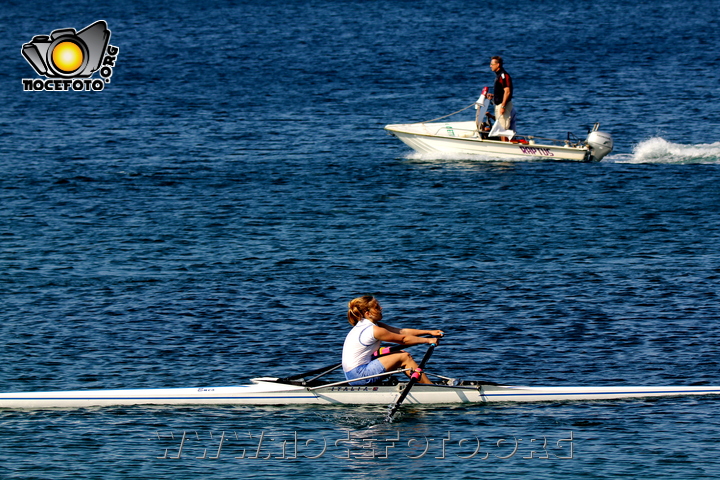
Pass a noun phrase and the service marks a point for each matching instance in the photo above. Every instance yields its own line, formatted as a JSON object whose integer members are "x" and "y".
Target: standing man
{"x": 502, "y": 96}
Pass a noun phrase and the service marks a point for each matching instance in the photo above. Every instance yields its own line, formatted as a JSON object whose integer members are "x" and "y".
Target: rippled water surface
{"x": 206, "y": 218}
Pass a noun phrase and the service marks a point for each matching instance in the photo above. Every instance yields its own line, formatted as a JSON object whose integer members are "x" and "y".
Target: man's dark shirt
{"x": 502, "y": 81}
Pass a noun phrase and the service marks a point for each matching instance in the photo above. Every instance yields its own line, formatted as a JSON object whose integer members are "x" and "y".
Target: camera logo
{"x": 68, "y": 59}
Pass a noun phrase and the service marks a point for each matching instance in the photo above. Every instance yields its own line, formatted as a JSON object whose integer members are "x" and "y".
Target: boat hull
{"x": 274, "y": 393}
{"x": 462, "y": 138}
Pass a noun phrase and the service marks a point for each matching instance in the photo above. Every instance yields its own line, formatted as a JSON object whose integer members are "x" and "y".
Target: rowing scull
{"x": 274, "y": 391}
{"x": 307, "y": 389}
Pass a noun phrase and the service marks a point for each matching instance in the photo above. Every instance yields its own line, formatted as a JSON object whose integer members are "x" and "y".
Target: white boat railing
{"x": 449, "y": 131}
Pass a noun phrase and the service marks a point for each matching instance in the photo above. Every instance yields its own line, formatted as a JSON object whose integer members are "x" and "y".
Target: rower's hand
{"x": 438, "y": 334}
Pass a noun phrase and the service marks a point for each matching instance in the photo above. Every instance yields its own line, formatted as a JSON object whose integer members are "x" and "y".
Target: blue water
{"x": 207, "y": 216}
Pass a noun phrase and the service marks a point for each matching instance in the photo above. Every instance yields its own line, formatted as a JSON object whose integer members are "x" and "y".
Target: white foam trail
{"x": 659, "y": 150}
{"x": 654, "y": 150}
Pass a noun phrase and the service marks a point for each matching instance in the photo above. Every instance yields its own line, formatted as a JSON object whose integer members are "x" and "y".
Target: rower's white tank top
{"x": 359, "y": 346}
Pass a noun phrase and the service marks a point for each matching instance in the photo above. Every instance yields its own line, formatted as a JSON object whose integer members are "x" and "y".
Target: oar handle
{"x": 382, "y": 351}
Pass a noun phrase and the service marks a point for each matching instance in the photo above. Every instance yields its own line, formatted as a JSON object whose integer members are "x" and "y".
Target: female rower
{"x": 364, "y": 314}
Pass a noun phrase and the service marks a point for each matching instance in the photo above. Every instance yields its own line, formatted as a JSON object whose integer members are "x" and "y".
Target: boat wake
{"x": 658, "y": 150}
{"x": 655, "y": 150}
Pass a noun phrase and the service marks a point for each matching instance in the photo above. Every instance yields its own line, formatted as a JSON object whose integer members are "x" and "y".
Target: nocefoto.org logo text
{"x": 68, "y": 59}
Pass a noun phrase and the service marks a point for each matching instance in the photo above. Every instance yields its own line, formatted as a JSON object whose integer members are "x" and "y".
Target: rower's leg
{"x": 402, "y": 359}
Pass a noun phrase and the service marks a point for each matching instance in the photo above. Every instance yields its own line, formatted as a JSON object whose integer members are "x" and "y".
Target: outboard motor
{"x": 600, "y": 144}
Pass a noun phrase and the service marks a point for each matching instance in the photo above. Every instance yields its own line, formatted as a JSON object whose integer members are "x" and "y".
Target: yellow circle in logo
{"x": 67, "y": 56}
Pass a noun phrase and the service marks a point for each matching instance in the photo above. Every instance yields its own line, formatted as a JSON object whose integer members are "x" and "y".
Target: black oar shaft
{"x": 413, "y": 380}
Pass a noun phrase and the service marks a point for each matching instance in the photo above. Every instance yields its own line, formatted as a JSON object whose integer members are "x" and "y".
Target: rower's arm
{"x": 410, "y": 331}
{"x": 403, "y": 336}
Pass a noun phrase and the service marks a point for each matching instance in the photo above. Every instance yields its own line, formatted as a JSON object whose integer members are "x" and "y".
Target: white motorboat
{"x": 311, "y": 391}
{"x": 476, "y": 138}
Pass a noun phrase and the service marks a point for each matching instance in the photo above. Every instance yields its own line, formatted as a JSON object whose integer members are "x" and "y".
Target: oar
{"x": 413, "y": 380}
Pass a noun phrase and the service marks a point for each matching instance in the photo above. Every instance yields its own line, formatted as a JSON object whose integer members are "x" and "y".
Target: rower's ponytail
{"x": 359, "y": 307}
